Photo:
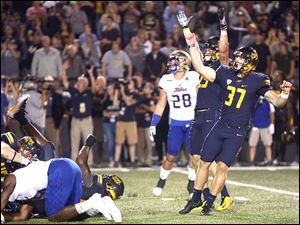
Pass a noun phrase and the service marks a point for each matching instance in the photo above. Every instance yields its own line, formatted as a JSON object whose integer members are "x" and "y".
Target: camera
{"x": 120, "y": 82}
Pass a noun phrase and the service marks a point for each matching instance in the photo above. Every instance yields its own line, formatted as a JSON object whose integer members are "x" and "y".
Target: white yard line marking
{"x": 242, "y": 199}
{"x": 183, "y": 171}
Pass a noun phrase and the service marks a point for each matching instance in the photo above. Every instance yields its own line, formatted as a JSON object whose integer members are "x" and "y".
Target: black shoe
{"x": 206, "y": 210}
{"x": 161, "y": 183}
{"x": 189, "y": 206}
{"x": 90, "y": 140}
{"x": 190, "y": 186}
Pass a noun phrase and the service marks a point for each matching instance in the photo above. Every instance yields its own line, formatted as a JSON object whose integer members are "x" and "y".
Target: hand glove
{"x": 183, "y": 20}
{"x": 152, "y": 132}
{"x": 92, "y": 212}
{"x": 113, "y": 210}
{"x": 271, "y": 128}
{"x": 221, "y": 14}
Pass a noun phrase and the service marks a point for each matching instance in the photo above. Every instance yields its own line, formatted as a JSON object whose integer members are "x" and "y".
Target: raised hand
{"x": 183, "y": 20}
{"x": 223, "y": 23}
{"x": 286, "y": 86}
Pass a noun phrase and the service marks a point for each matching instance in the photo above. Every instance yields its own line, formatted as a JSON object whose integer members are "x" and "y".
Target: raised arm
{"x": 281, "y": 99}
{"x": 92, "y": 78}
{"x": 196, "y": 55}
{"x": 223, "y": 43}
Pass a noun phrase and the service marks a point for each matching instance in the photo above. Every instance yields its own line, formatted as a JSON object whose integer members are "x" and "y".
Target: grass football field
{"x": 261, "y": 197}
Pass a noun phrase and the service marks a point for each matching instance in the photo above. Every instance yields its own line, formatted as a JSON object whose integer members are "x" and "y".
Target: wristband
{"x": 223, "y": 32}
{"x": 284, "y": 95}
{"x": 155, "y": 120}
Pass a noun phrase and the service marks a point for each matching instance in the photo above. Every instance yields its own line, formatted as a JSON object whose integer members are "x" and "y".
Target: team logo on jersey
{"x": 228, "y": 81}
{"x": 179, "y": 89}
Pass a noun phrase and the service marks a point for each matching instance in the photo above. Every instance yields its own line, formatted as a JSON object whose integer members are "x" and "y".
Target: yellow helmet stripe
{"x": 10, "y": 138}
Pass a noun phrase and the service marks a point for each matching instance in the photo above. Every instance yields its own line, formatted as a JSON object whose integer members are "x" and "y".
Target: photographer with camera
{"x": 126, "y": 127}
{"x": 81, "y": 101}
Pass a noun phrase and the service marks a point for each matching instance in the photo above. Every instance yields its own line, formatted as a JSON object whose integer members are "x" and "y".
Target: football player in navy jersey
{"x": 207, "y": 112}
{"x": 240, "y": 88}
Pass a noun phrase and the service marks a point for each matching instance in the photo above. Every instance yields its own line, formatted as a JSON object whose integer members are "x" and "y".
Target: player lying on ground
{"x": 62, "y": 180}
{"x": 241, "y": 88}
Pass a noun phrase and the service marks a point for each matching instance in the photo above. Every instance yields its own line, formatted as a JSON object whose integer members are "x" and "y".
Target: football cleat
{"x": 90, "y": 140}
{"x": 225, "y": 203}
{"x": 206, "y": 210}
{"x": 18, "y": 110}
{"x": 190, "y": 206}
{"x": 159, "y": 187}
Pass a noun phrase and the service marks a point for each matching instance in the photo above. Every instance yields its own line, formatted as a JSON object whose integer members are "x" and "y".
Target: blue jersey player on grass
{"x": 240, "y": 88}
{"x": 60, "y": 178}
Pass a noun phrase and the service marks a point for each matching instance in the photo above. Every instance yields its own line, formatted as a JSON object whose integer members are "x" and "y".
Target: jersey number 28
{"x": 186, "y": 98}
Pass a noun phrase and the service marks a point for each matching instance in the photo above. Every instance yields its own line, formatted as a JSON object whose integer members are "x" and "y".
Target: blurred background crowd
{"x": 93, "y": 67}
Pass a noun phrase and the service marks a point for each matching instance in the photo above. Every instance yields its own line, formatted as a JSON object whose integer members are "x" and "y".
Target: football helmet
{"x": 245, "y": 60}
{"x": 211, "y": 52}
{"x": 113, "y": 185}
{"x": 178, "y": 60}
{"x": 29, "y": 147}
{"x": 11, "y": 139}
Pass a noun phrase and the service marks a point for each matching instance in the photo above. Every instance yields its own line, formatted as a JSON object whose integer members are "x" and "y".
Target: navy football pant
{"x": 223, "y": 143}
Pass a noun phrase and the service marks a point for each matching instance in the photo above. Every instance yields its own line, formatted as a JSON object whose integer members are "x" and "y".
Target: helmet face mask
{"x": 178, "y": 61}
{"x": 29, "y": 147}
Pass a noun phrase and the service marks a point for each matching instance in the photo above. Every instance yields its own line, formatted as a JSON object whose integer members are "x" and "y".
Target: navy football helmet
{"x": 245, "y": 60}
{"x": 112, "y": 184}
{"x": 29, "y": 147}
{"x": 211, "y": 52}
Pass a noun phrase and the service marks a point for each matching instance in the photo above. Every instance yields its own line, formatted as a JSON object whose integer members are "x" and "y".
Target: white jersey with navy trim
{"x": 27, "y": 187}
{"x": 181, "y": 95}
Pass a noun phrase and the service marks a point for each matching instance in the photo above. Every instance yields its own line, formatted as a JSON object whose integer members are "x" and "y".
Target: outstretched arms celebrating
{"x": 196, "y": 55}
{"x": 281, "y": 99}
{"x": 223, "y": 43}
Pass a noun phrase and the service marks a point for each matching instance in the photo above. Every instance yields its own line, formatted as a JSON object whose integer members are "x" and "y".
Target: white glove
{"x": 152, "y": 132}
{"x": 183, "y": 20}
{"x": 113, "y": 210}
{"x": 92, "y": 212}
{"x": 271, "y": 128}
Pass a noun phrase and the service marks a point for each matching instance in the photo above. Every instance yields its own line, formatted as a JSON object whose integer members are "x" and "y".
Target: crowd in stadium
{"x": 94, "y": 67}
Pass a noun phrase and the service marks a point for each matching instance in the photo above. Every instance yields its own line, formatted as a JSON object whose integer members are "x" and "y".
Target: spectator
{"x": 275, "y": 48}
{"x": 272, "y": 38}
{"x": 126, "y": 127}
{"x": 110, "y": 114}
{"x": 144, "y": 40}
{"x": 54, "y": 111}
{"x": 169, "y": 15}
{"x": 74, "y": 63}
{"x": 46, "y": 60}
{"x": 249, "y": 39}
{"x": 4, "y": 107}
{"x": 112, "y": 10}
{"x": 262, "y": 17}
{"x": 91, "y": 51}
{"x": 10, "y": 59}
{"x": 130, "y": 22}
{"x": 149, "y": 20}
{"x": 238, "y": 30}
{"x": 155, "y": 62}
{"x": 109, "y": 35}
{"x": 78, "y": 19}
{"x": 57, "y": 43}
{"x": 36, "y": 11}
{"x": 143, "y": 116}
{"x": 178, "y": 39}
{"x": 168, "y": 48}
{"x": 97, "y": 115}
{"x": 87, "y": 32}
{"x": 285, "y": 62}
{"x": 53, "y": 22}
{"x": 35, "y": 107}
{"x": 82, "y": 123}
{"x": 66, "y": 34}
{"x": 263, "y": 120}
{"x": 263, "y": 52}
{"x": 103, "y": 24}
{"x": 136, "y": 54}
{"x": 114, "y": 62}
